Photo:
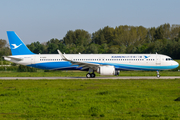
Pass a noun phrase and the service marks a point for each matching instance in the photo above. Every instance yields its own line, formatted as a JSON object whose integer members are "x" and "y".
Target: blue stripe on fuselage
{"x": 51, "y": 65}
{"x": 65, "y": 65}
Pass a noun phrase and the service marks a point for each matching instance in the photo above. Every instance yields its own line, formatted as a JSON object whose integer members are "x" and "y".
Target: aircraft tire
{"x": 158, "y": 76}
{"x": 93, "y": 75}
{"x": 88, "y": 75}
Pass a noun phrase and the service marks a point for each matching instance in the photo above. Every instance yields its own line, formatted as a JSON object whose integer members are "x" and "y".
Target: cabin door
{"x": 32, "y": 59}
{"x": 158, "y": 60}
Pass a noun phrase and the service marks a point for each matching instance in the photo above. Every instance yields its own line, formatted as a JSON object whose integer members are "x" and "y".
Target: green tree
{"x": 3, "y": 43}
{"x": 36, "y": 47}
{"x": 122, "y": 49}
{"x": 103, "y": 48}
{"x": 4, "y": 49}
{"x": 93, "y": 48}
{"x": 77, "y": 37}
{"x": 159, "y": 33}
{"x": 52, "y": 48}
{"x": 150, "y": 35}
{"x": 114, "y": 49}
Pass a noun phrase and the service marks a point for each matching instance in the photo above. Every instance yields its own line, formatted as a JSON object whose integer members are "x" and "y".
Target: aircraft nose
{"x": 176, "y": 63}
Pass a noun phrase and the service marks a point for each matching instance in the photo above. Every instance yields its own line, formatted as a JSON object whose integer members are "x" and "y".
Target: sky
{"x": 42, "y": 20}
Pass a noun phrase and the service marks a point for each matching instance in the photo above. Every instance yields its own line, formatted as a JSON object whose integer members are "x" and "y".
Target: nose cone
{"x": 176, "y": 64}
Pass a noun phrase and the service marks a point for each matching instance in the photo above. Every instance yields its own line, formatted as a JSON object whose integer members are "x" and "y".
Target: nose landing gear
{"x": 158, "y": 76}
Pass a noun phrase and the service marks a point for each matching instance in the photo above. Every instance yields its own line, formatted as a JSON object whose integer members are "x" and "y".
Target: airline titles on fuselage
{"x": 126, "y": 57}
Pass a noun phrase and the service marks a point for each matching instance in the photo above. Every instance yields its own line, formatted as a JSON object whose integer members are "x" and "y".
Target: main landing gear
{"x": 90, "y": 74}
{"x": 158, "y": 76}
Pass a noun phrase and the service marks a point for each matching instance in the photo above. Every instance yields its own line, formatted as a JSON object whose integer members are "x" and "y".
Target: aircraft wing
{"x": 84, "y": 65}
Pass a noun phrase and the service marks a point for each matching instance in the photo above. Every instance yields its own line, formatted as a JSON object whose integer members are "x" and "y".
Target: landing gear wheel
{"x": 88, "y": 75}
{"x": 93, "y": 75}
{"x": 158, "y": 76}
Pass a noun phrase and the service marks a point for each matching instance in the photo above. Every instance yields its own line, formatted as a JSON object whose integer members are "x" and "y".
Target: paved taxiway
{"x": 54, "y": 78}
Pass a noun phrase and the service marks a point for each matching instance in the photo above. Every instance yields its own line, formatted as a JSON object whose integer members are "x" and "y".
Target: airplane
{"x": 104, "y": 64}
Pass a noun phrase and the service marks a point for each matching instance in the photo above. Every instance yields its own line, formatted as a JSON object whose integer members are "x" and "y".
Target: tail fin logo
{"x": 15, "y": 46}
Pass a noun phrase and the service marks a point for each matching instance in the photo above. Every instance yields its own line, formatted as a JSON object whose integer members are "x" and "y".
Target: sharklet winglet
{"x": 63, "y": 57}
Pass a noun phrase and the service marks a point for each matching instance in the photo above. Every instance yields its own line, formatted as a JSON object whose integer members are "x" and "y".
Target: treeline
{"x": 4, "y": 48}
{"x": 164, "y": 39}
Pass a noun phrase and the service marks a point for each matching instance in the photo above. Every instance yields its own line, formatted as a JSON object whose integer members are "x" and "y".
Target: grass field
{"x": 89, "y": 99}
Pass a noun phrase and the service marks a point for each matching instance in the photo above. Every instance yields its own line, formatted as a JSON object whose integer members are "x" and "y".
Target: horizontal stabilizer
{"x": 8, "y": 58}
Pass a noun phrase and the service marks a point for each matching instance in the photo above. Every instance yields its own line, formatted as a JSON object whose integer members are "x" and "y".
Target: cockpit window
{"x": 168, "y": 59}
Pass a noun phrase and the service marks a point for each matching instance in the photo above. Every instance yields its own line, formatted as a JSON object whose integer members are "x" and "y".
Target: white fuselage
{"x": 120, "y": 61}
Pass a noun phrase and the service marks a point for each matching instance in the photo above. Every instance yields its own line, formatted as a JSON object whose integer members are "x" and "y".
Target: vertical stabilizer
{"x": 16, "y": 45}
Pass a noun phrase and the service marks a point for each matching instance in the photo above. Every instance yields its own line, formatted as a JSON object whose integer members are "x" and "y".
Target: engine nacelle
{"x": 106, "y": 70}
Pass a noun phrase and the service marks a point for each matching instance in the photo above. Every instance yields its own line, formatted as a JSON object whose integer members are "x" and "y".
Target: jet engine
{"x": 106, "y": 70}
